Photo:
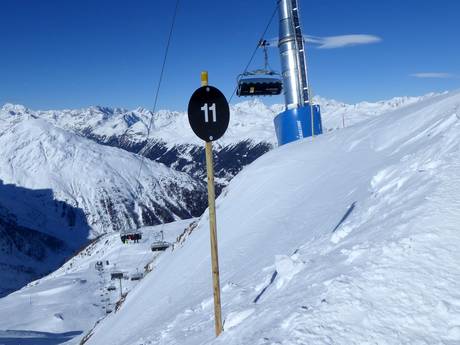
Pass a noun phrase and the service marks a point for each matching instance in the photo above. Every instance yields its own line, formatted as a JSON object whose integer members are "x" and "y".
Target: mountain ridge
{"x": 173, "y": 143}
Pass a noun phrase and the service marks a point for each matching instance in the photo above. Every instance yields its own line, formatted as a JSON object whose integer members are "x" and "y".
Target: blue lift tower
{"x": 301, "y": 118}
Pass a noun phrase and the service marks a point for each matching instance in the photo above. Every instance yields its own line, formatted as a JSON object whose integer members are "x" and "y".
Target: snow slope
{"x": 63, "y": 306}
{"x": 337, "y": 114}
{"x": 350, "y": 239}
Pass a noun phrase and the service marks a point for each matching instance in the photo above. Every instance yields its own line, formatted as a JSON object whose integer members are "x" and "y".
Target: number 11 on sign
{"x": 205, "y": 108}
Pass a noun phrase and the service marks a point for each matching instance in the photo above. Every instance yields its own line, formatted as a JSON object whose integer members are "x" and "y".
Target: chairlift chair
{"x": 261, "y": 82}
{"x": 160, "y": 244}
{"x": 116, "y": 275}
{"x": 137, "y": 276}
{"x": 134, "y": 235}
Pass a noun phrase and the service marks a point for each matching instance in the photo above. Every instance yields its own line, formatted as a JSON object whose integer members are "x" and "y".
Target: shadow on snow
{"x": 37, "y": 234}
{"x": 11, "y": 337}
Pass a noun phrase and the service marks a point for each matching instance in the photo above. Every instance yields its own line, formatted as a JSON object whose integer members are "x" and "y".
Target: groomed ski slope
{"x": 350, "y": 238}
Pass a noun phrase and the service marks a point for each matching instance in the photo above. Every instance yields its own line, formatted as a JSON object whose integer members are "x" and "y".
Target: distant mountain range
{"x": 172, "y": 142}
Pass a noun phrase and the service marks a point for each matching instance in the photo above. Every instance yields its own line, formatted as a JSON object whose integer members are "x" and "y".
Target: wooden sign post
{"x": 213, "y": 227}
{"x": 209, "y": 115}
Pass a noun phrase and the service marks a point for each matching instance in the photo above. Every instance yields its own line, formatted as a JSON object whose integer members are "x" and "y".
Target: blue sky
{"x": 76, "y": 53}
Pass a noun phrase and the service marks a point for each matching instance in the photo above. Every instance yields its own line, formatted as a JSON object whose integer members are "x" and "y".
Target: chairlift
{"x": 261, "y": 82}
{"x": 160, "y": 244}
{"x": 134, "y": 235}
{"x": 137, "y": 276}
{"x": 116, "y": 275}
{"x": 111, "y": 288}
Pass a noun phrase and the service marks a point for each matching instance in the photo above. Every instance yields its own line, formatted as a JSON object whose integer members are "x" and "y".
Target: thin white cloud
{"x": 433, "y": 75}
{"x": 333, "y": 42}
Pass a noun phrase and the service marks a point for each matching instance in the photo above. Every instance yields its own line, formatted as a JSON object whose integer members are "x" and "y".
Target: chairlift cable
{"x": 159, "y": 85}
{"x": 257, "y": 47}
{"x": 157, "y": 92}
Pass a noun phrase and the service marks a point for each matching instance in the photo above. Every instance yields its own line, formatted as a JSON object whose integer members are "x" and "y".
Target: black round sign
{"x": 208, "y": 113}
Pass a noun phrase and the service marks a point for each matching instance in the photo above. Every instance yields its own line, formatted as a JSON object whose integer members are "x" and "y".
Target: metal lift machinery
{"x": 301, "y": 118}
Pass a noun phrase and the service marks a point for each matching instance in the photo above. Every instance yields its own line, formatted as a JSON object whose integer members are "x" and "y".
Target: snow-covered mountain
{"x": 250, "y": 120}
{"x": 58, "y": 190}
{"x": 107, "y": 183}
{"x": 351, "y": 238}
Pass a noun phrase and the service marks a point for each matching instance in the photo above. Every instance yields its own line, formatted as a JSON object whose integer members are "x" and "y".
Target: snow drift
{"x": 348, "y": 239}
